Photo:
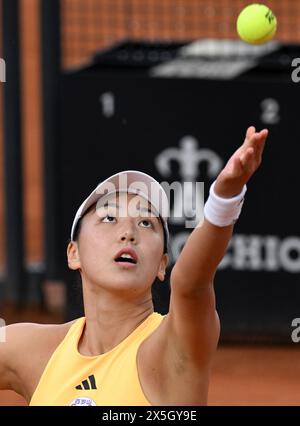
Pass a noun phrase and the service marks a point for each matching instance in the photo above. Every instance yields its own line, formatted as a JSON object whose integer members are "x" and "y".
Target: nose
{"x": 126, "y": 237}
{"x": 128, "y": 233}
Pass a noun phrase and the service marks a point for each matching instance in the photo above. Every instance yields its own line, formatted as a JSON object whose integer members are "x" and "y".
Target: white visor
{"x": 133, "y": 182}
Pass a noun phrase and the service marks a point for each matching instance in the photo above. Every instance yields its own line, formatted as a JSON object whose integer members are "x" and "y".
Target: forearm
{"x": 206, "y": 246}
{"x": 204, "y": 249}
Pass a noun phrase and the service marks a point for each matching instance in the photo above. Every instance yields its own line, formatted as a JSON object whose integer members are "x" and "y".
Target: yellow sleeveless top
{"x": 107, "y": 379}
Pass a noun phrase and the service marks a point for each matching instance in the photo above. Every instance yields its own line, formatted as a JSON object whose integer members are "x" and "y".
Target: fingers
{"x": 251, "y": 130}
{"x": 257, "y": 140}
{"x": 246, "y": 156}
{"x": 264, "y": 133}
{"x": 251, "y": 155}
{"x": 243, "y": 162}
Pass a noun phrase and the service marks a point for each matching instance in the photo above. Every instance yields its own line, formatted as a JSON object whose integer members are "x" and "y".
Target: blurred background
{"x": 164, "y": 86}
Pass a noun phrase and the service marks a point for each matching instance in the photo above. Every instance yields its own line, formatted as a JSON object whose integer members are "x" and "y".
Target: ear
{"x": 73, "y": 256}
{"x": 162, "y": 267}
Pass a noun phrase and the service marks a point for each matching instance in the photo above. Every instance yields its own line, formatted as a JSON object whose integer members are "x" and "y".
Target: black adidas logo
{"x": 89, "y": 383}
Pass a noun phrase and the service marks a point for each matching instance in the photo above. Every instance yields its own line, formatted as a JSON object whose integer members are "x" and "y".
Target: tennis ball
{"x": 256, "y": 24}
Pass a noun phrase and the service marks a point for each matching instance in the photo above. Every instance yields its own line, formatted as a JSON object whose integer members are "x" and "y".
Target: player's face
{"x": 124, "y": 221}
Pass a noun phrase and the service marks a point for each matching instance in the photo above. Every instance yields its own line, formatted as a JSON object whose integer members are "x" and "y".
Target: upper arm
{"x": 25, "y": 353}
{"x": 9, "y": 344}
{"x": 193, "y": 325}
{"x": 20, "y": 355}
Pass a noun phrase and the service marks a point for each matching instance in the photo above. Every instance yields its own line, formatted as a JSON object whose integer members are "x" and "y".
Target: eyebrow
{"x": 143, "y": 209}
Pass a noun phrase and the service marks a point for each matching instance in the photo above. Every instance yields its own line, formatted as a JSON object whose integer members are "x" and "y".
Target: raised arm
{"x": 207, "y": 244}
{"x": 193, "y": 324}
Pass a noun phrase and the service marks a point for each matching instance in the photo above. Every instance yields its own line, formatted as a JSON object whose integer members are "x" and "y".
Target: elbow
{"x": 189, "y": 285}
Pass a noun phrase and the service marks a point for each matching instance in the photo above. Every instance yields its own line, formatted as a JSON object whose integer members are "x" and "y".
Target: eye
{"x": 146, "y": 223}
{"x": 108, "y": 217}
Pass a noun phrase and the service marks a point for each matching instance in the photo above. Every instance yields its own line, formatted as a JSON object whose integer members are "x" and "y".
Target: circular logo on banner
{"x": 83, "y": 401}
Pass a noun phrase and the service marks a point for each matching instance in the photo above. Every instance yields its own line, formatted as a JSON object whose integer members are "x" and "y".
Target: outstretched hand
{"x": 242, "y": 164}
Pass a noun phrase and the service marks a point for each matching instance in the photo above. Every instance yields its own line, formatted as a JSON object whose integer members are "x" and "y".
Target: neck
{"x": 110, "y": 318}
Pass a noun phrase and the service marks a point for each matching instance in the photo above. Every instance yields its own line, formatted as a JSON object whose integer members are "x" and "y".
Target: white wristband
{"x": 223, "y": 211}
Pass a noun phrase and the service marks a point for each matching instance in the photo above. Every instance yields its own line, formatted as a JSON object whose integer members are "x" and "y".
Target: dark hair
{"x": 78, "y": 225}
{"x": 78, "y": 228}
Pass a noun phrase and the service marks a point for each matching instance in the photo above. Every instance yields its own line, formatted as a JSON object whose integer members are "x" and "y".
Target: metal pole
{"x": 14, "y": 245}
{"x": 51, "y": 68}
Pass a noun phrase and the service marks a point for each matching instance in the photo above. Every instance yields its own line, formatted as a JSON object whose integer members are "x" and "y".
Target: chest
{"x": 107, "y": 380}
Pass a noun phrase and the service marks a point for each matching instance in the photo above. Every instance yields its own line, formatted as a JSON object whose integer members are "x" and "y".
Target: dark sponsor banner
{"x": 184, "y": 130}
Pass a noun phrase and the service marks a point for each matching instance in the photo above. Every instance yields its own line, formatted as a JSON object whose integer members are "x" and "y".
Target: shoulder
{"x": 20, "y": 334}
{"x": 25, "y": 351}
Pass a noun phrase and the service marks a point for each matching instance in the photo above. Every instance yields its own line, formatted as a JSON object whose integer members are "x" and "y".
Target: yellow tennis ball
{"x": 256, "y": 24}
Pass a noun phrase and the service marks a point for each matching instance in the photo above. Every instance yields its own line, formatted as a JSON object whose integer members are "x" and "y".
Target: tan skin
{"x": 178, "y": 355}
{"x": 116, "y": 300}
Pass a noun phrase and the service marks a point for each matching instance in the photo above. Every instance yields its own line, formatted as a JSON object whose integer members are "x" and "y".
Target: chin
{"x": 129, "y": 283}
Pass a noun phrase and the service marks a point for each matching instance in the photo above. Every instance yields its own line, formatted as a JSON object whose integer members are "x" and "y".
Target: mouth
{"x": 122, "y": 259}
{"x": 126, "y": 256}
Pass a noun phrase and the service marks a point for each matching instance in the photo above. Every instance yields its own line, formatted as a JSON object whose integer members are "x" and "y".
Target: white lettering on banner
{"x": 2, "y": 70}
{"x": 245, "y": 252}
{"x": 287, "y": 247}
{"x": 295, "y": 73}
{"x": 107, "y": 101}
{"x": 189, "y": 202}
{"x": 2, "y": 330}
{"x": 262, "y": 253}
{"x": 270, "y": 111}
{"x": 295, "y": 333}
{"x": 271, "y": 244}
{"x": 266, "y": 253}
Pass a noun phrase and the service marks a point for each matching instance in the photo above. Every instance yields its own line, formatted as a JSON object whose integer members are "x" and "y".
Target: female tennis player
{"x": 122, "y": 352}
